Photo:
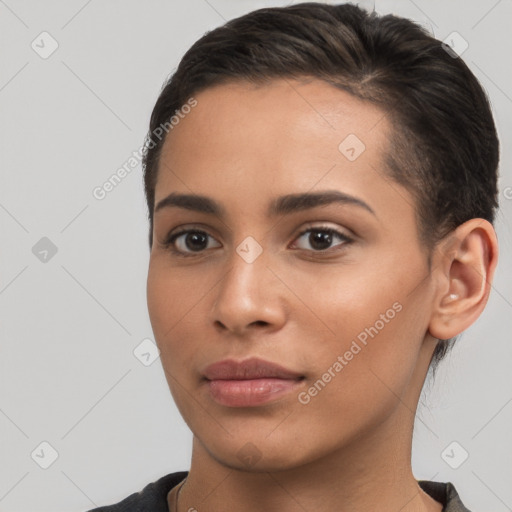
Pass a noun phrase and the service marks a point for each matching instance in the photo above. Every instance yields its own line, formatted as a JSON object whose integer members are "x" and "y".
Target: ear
{"x": 464, "y": 267}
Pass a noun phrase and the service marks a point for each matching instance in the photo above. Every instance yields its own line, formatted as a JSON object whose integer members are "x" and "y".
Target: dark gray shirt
{"x": 153, "y": 498}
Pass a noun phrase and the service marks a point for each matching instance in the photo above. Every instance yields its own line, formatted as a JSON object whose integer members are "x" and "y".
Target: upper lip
{"x": 253, "y": 368}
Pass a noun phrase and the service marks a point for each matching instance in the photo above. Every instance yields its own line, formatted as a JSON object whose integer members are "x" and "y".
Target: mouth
{"x": 249, "y": 383}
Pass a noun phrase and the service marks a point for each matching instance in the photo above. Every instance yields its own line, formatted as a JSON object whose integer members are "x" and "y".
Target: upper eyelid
{"x": 307, "y": 227}
{"x": 324, "y": 227}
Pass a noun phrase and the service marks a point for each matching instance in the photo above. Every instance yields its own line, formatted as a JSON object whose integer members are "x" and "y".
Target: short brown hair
{"x": 444, "y": 147}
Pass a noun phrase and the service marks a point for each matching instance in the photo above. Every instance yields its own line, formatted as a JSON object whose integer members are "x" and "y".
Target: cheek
{"x": 171, "y": 300}
{"x": 172, "y": 296}
{"x": 176, "y": 301}
{"x": 361, "y": 375}
{"x": 371, "y": 321}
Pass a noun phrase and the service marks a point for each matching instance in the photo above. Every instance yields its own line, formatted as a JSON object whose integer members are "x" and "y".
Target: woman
{"x": 321, "y": 185}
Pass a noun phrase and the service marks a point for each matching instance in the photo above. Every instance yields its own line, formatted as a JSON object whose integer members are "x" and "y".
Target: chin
{"x": 255, "y": 454}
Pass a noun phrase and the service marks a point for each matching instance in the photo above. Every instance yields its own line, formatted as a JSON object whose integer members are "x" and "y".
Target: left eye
{"x": 321, "y": 238}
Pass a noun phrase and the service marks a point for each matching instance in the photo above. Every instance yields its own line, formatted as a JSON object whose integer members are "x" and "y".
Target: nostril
{"x": 260, "y": 322}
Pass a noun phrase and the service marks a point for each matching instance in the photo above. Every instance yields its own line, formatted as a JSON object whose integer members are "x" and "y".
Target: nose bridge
{"x": 246, "y": 274}
{"x": 245, "y": 294}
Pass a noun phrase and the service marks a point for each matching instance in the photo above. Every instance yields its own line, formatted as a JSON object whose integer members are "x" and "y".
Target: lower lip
{"x": 252, "y": 392}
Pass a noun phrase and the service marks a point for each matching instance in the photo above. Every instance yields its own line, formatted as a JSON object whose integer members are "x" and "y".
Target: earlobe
{"x": 466, "y": 267}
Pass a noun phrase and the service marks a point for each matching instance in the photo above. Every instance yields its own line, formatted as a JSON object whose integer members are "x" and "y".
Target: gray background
{"x": 69, "y": 326}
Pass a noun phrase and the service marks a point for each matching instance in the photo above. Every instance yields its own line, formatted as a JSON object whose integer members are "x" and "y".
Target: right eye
{"x": 188, "y": 242}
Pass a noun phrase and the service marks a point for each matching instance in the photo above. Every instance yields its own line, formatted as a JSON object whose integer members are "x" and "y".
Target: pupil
{"x": 322, "y": 238}
{"x": 196, "y": 238}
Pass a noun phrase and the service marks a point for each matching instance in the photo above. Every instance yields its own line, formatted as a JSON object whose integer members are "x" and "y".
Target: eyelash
{"x": 171, "y": 238}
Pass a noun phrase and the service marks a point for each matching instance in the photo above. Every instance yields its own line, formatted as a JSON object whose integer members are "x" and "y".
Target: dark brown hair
{"x": 444, "y": 147}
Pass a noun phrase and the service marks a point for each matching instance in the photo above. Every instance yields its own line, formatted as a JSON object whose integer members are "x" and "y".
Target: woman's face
{"x": 346, "y": 310}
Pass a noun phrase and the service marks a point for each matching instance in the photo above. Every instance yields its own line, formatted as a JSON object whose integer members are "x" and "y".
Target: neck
{"x": 359, "y": 477}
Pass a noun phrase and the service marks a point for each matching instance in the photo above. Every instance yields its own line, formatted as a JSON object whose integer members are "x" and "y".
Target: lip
{"x": 253, "y": 368}
{"x": 250, "y": 382}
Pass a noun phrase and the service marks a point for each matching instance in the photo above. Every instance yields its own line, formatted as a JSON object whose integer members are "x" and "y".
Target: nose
{"x": 249, "y": 297}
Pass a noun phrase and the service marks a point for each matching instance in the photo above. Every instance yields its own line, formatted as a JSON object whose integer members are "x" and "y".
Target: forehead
{"x": 243, "y": 142}
{"x": 276, "y": 117}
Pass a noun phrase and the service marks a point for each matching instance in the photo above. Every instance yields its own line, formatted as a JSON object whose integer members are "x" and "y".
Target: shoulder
{"x": 445, "y": 493}
{"x": 152, "y": 498}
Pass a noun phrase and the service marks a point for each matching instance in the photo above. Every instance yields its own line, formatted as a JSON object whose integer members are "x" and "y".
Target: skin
{"x": 349, "y": 448}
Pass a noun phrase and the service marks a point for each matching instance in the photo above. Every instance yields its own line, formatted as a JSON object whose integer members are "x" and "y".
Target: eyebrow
{"x": 283, "y": 205}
